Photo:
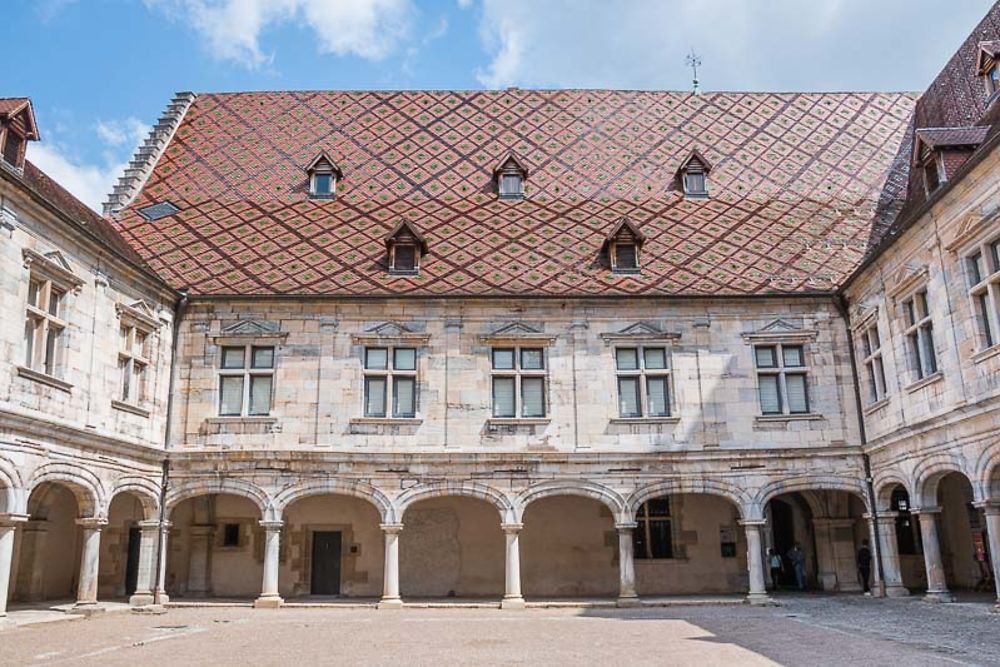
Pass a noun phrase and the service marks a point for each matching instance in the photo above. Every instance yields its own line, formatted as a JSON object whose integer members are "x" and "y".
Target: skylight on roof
{"x": 157, "y": 211}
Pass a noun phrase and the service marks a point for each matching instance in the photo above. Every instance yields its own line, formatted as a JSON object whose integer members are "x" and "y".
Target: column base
{"x": 761, "y": 600}
{"x": 140, "y": 600}
{"x": 161, "y": 598}
{"x": 896, "y": 591}
{"x": 390, "y": 603}
{"x": 512, "y": 603}
{"x": 268, "y": 602}
{"x": 87, "y": 609}
{"x": 628, "y": 601}
{"x": 939, "y": 596}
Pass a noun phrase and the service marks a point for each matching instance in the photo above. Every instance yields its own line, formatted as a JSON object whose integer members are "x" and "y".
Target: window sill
{"x": 875, "y": 407}
{"x": 44, "y": 378}
{"x": 236, "y": 419}
{"x": 321, "y": 197}
{"x": 929, "y": 380}
{"x": 518, "y": 421}
{"x": 645, "y": 420}
{"x": 389, "y": 421}
{"x": 128, "y": 407}
{"x": 627, "y": 272}
{"x": 988, "y": 353}
{"x": 771, "y": 419}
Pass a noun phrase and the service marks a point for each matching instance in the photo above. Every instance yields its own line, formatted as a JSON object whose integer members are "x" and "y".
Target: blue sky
{"x": 101, "y": 71}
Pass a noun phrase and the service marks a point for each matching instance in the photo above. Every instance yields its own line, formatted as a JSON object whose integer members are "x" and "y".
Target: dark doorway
{"x": 132, "y": 563}
{"x": 783, "y": 533}
{"x": 326, "y": 563}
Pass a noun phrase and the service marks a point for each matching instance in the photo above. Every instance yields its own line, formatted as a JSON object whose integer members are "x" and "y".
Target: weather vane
{"x": 693, "y": 60}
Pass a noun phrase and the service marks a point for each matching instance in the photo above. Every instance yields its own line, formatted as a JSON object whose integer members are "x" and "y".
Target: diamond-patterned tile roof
{"x": 795, "y": 185}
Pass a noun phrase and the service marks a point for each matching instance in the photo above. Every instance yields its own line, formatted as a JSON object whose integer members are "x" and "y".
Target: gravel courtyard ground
{"x": 803, "y": 631}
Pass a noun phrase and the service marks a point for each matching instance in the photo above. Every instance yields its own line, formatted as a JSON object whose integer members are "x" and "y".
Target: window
{"x": 132, "y": 363}
{"x": 44, "y": 326}
{"x": 511, "y": 186}
{"x": 626, "y": 257}
{"x": 510, "y": 175}
{"x": 323, "y": 174}
{"x": 781, "y": 379}
{"x": 404, "y": 257}
{"x": 391, "y": 382}
{"x": 518, "y": 382}
{"x": 993, "y": 79}
{"x": 907, "y": 530}
{"x": 983, "y": 271}
{"x": 652, "y": 537}
{"x": 932, "y": 168}
{"x": 12, "y": 148}
{"x": 643, "y": 382}
{"x": 871, "y": 358}
{"x": 919, "y": 335}
{"x": 231, "y": 535}
{"x": 623, "y": 245}
{"x": 246, "y": 380}
{"x": 694, "y": 176}
{"x": 322, "y": 184}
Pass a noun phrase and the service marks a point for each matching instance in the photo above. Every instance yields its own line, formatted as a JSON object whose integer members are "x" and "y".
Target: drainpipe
{"x": 840, "y": 301}
{"x": 179, "y": 308}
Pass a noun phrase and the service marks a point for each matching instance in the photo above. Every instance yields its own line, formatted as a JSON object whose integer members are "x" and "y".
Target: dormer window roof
{"x": 510, "y": 175}
{"x": 323, "y": 176}
{"x": 623, "y": 245}
{"x": 988, "y": 66}
{"x": 694, "y": 175}
{"x": 940, "y": 151}
{"x": 17, "y": 128}
{"x": 405, "y": 246}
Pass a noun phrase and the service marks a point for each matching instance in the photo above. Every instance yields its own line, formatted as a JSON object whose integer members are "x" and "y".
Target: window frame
{"x": 916, "y": 332}
{"x": 247, "y": 372}
{"x": 390, "y": 374}
{"x": 40, "y": 356}
{"x": 502, "y": 192}
{"x": 644, "y": 374}
{"x": 781, "y": 371}
{"x": 984, "y": 291}
{"x": 133, "y": 364}
{"x": 873, "y": 361}
{"x": 518, "y": 373}
{"x": 642, "y": 533}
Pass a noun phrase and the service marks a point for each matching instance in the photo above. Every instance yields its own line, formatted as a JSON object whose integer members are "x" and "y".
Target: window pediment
{"x": 138, "y": 314}
{"x": 640, "y": 332}
{"x": 405, "y": 246}
{"x": 780, "y": 331}
{"x": 391, "y": 333}
{"x": 972, "y": 226}
{"x": 53, "y": 266}
{"x": 518, "y": 332}
{"x": 509, "y": 176}
{"x": 905, "y": 280}
{"x": 623, "y": 245}
{"x": 693, "y": 175}
{"x": 324, "y": 174}
{"x": 243, "y": 330}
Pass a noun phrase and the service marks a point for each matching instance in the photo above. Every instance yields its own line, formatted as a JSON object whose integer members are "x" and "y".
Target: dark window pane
{"x": 231, "y": 535}
{"x": 322, "y": 184}
{"x": 404, "y": 397}
{"x": 405, "y": 257}
{"x": 766, "y": 356}
{"x": 503, "y": 397}
{"x": 792, "y": 355}
{"x": 627, "y": 358}
{"x": 628, "y": 397}
{"x": 375, "y": 396}
{"x": 658, "y": 506}
{"x": 625, "y": 256}
{"x": 658, "y": 397}
{"x": 660, "y": 541}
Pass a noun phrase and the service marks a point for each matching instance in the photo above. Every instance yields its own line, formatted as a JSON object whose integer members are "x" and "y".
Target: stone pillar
{"x": 160, "y": 588}
{"x": 8, "y": 524}
{"x": 146, "y": 579}
{"x": 200, "y": 561}
{"x": 888, "y": 547}
{"x": 269, "y": 597}
{"x": 627, "y": 596}
{"x": 992, "y": 512}
{"x": 937, "y": 586}
{"x": 757, "y": 594}
{"x": 90, "y": 557}
{"x": 390, "y": 578}
{"x": 512, "y": 581}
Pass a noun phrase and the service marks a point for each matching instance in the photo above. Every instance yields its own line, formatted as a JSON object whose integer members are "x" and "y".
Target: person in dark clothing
{"x": 776, "y": 565}
{"x": 798, "y": 560}
{"x": 865, "y": 565}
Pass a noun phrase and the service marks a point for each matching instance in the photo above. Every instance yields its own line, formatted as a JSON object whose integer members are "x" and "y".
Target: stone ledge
{"x": 924, "y": 382}
{"x": 875, "y": 407}
{"x": 780, "y": 419}
{"x": 988, "y": 353}
{"x": 388, "y": 421}
{"x": 645, "y": 420}
{"x": 128, "y": 407}
{"x": 44, "y": 378}
{"x": 518, "y": 421}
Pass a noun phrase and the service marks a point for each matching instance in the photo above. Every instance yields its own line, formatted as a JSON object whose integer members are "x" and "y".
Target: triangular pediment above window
{"x": 52, "y": 265}
{"x": 780, "y": 330}
{"x": 251, "y": 329}
{"x": 324, "y": 163}
{"x": 517, "y": 332}
{"x": 987, "y": 55}
{"x": 906, "y": 279}
{"x": 406, "y": 232}
{"x": 390, "y": 329}
{"x": 640, "y": 331}
{"x": 391, "y": 333}
{"x": 138, "y": 313}
{"x": 625, "y": 231}
{"x": 971, "y": 228}
{"x": 695, "y": 161}
{"x": 58, "y": 259}
{"x": 510, "y": 162}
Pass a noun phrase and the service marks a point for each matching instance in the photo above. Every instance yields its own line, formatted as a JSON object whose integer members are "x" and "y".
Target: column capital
{"x": 926, "y": 510}
{"x": 12, "y": 520}
{"x": 391, "y": 528}
{"x": 989, "y": 507}
{"x": 511, "y": 527}
{"x": 270, "y": 525}
{"x": 756, "y": 523}
{"x": 150, "y": 525}
{"x": 626, "y": 526}
{"x": 92, "y": 522}
{"x": 888, "y": 515}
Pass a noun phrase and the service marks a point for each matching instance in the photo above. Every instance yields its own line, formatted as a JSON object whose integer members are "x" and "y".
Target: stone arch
{"x": 470, "y": 489}
{"x": 222, "y": 485}
{"x": 825, "y": 483}
{"x": 146, "y": 490}
{"x": 886, "y": 484}
{"x": 620, "y": 509}
{"x": 91, "y": 498}
{"x": 11, "y": 488}
{"x": 342, "y": 487}
{"x": 986, "y": 480}
{"x": 733, "y": 494}
{"x": 928, "y": 475}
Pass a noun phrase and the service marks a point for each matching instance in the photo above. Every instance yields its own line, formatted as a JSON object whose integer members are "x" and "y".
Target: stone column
{"x": 90, "y": 557}
{"x": 512, "y": 582}
{"x": 146, "y": 579}
{"x": 269, "y": 597}
{"x": 390, "y": 578}
{"x": 992, "y": 512}
{"x": 627, "y": 596}
{"x": 8, "y": 524}
{"x": 888, "y": 547}
{"x": 937, "y": 586}
{"x": 755, "y": 563}
{"x": 200, "y": 561}
{"x": 160, "y": 587}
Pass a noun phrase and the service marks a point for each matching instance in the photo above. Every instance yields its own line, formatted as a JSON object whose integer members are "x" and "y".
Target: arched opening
{"x": 963, "y": 536}
{"x": 451, "y": 546}
{"x": 689, "y": 544}
{"x": 119, "y": 561}
{"x": 909, "y": 544}
{"x": 331, "y": 545}
{"x": 47, "y": 547}
{"x": 816, "y": 536}
{"x": 216, "y": 548}
{"x": 569, "y": 548}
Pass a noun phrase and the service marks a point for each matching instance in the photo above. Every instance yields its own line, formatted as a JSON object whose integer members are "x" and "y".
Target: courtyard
{"x": 803, "y": 630}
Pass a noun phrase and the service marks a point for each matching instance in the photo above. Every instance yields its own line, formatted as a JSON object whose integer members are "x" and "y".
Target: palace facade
{"x": 509, "y": 345}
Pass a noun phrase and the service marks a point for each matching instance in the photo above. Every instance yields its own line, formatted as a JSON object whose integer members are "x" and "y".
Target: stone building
{"x": 507, "y": 345}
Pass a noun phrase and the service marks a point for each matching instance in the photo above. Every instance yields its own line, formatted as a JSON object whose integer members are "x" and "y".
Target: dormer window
{"x": 623, "y": 245}
{"x": 694, "y": 175}
{"x": 988, "y": 66}
{"x": 510, "y": 175}
{"x": 405, "y": 247}
{"x": 933, "y": 178}
{"x": 17, "y": 128}
{"x": 941, "y": 151}
{"x": 323, "y": 175}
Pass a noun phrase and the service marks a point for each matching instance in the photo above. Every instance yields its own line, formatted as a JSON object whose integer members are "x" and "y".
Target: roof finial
{"x": 693, "y": 60}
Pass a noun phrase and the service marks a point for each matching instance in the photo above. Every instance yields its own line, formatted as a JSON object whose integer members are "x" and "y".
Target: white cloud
{"x": 89, "y": 183}
{"x": 130, "y": 131}
{"x": 369, "y": 29}
{"x": 745, "y": 44}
